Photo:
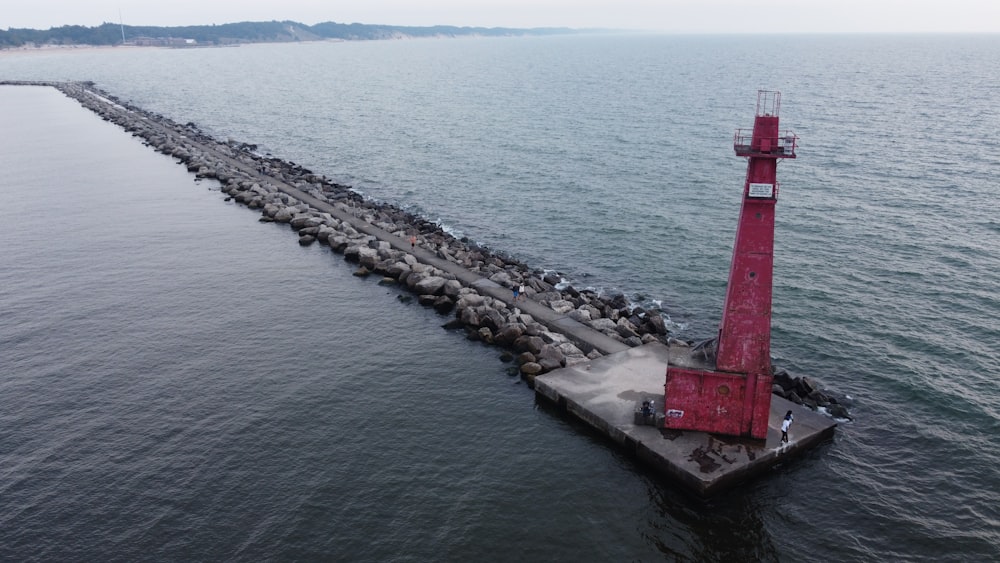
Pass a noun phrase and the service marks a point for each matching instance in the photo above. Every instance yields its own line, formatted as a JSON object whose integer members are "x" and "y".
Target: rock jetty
{"x": 551, "y": 324}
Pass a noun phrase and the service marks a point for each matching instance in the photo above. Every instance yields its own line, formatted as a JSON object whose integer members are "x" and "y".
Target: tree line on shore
{"x": 247, "y": 32}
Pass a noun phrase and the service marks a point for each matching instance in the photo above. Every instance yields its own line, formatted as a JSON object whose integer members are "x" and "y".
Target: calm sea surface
{"x": 180, "y": 382}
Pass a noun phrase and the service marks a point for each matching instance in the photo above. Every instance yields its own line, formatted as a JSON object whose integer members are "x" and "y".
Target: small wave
{"x": 992, "y": 226}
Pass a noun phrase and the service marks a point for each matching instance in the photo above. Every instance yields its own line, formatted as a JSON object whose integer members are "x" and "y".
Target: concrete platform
{"x": 604, "y": 393}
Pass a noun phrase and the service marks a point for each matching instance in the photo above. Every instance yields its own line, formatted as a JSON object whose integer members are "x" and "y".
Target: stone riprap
{"x": 551, "y": 325}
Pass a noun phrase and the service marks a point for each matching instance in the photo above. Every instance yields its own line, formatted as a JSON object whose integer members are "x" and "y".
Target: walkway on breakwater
{"x": 603, "y": 390}
{"x": 586, "y": 338}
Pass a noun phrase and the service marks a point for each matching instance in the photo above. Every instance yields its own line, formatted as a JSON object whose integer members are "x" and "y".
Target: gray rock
{"x": 338, "y": 243}
{"x": 431, "y": 285}
{"x": 569, "y": 349}
{"x": 452, "y": 288}
{"x": 509, "y": 334}
{"x": 324, "y": 233}
{"x": 656, "y": 324}
{"x": 486, "y": 335}
{"x": 352, "y": 252}
{"x": 368, "y": 257}
{"x": 603, "y": 325}
{"x": 444, "y": 304}
{"x": 501, "y": 278}
{"x": 414, "y": 278}
{"x": 283, "y": 215}
{"x": 531, "y": 368}
{"x": 469, "y": 317}
{"x": 626, "y": 329}
{"x": 806, "y": 386}
{"x": 561, "y": 306}
{"x": 550, "y": 358}
{"x": 531, "y": 344}
{"x": 839, "y": 411}
{"x": 525, "y": 357}
{"x": 396, "y": 269}
{"x": 492, "y": 318}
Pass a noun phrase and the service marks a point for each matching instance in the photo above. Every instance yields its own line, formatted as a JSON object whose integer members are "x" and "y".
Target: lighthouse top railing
{"x": 782, "y": 146}
{"x": 768, "y": 102}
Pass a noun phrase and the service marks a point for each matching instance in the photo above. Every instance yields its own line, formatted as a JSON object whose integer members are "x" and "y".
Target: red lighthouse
{"x": 724, "y": 386}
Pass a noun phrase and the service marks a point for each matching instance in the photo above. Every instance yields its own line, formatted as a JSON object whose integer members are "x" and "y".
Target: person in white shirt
{"x": 784, "y": 426}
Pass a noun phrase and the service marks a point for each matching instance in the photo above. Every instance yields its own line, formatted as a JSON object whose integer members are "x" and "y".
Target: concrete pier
{"x": 604, "y": 393}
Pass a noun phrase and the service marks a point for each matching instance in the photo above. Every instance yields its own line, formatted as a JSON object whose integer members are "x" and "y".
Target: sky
{"x": 675, "y": 16}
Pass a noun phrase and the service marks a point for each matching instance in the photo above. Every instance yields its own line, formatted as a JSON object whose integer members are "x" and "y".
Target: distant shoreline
{"x": 48, "y": 49}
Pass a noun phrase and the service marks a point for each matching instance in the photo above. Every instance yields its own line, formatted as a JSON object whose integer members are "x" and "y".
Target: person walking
{"x": 521, "y": 291}
{"x": 785, "y": 424}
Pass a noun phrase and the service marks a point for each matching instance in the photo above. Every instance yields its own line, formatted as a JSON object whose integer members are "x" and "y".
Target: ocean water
{"x": 181, "y": 382}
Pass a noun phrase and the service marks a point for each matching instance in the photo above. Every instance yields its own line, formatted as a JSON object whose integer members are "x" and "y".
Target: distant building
{"x": 162, "y": 42}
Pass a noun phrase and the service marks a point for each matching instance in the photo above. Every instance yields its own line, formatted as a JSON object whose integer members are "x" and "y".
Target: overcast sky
{"x": 683, "y": 16}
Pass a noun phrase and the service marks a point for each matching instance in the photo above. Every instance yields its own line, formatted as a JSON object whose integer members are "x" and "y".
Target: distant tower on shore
{"x": 121, "y": 22}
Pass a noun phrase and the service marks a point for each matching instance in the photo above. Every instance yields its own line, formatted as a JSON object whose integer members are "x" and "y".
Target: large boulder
{"x": 397, "y": 269}
{"x": 352, "y": 252}
{"x": 550, "y": 358}
{"x": 414, "y": 278}
{"x": 531, "y": 344}
{"x": 806, "y": 386}
{"x": 508, "y": 335}
{"x": 626, "y": 329}
{"x": 569, "y": 349}
{"x": 304, "y": 220}
{"x": 486, "y": 335}
{"x": 531, "y": 368}
{"x": 471, "y": 300}
{"x": 338, "y": 243}
{"x": 655, "y": 324}
{"x": 524, "y": 357}
{"x": 469, "y": 317}
{"x": 283, "y": 215}
{"x": 431, "y": 285}
{"x": 368, "y": 257}
{"x": 603, "y": 325}
{"x": 452, "y": 288}
{"x": 561, "y": 306}
{"x": 444, "y": 305}
{"x": 501, "y": 278}
{"x": 839, "y": 411}
{"x": 529, "y": 371}
{"x": 492, "y": 318}
{"x": 324, "y": 233}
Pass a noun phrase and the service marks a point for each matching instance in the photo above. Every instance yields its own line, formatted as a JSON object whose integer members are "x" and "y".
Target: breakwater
{"x": 548, "y": 326}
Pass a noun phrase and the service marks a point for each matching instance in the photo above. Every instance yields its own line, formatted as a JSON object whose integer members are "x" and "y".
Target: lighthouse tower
{"x": 725, "y": 387}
